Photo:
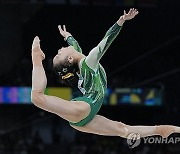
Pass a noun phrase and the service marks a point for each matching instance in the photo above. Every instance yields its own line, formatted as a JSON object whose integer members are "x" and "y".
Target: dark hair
{"x": 67, "y": 72}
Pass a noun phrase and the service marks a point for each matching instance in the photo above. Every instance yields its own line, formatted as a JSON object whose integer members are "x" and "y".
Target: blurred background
{"x": 142, "y": 66}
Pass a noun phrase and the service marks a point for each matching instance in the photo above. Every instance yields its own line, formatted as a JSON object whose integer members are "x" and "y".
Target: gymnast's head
{"x": 65, "y": 65}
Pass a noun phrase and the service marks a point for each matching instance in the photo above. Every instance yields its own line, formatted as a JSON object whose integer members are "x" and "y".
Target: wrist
{"x": 121, "y": 21}
{"x": 66, "y": 37}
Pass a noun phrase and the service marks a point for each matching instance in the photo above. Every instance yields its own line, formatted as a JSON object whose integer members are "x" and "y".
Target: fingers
{"x": 36, "y": 42}
{"x": 132, "y": 11}
{"x": 136, "y": 12}
{"x": 60, "y": 29}
{"x": 64, "y": 27}
{"x": 36, "y": 39}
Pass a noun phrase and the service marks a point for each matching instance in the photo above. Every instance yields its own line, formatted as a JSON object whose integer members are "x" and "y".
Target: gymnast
{"x": 85, "y": 72}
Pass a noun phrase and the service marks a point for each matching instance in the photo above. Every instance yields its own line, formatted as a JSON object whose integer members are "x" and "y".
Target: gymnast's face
{"x": 63, "y": 53}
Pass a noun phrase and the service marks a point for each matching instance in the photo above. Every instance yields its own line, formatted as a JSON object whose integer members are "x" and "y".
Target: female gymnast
{"x": 74, "y": 68}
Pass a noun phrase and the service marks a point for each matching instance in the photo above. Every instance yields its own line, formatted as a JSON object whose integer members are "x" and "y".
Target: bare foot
{"x": 36, "y": 49}
{"x": 177, "y": 129}
{"x": 166, "y": 130}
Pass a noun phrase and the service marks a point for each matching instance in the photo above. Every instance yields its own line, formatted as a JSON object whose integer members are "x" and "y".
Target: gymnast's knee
{"x": 124, "y": 129}
{"x": 37, "y": 97}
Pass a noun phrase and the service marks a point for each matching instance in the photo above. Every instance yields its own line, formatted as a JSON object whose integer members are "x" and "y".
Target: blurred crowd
{"x": 21, "y": 74}
{"x": 18, "y": 143}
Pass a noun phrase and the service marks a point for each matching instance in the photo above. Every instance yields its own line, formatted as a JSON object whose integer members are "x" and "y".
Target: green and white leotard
{"x": 92, "y": 78}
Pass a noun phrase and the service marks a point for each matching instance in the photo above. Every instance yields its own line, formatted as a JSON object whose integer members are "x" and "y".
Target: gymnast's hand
{"x": 127, "y": 16}
{"x": 131, "y": 14}
{"x": 63, "y": 32}
{"x": 36, "y": 49}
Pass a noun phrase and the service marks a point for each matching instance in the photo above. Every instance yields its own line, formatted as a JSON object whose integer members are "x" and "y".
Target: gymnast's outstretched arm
{"x": 69, "y": 38}
{"x": 96, "y": 53}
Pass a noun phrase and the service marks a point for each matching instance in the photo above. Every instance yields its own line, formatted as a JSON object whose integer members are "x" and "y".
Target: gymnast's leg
{"x": 103, "y": 126}
{"x": 68, "y": 110}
